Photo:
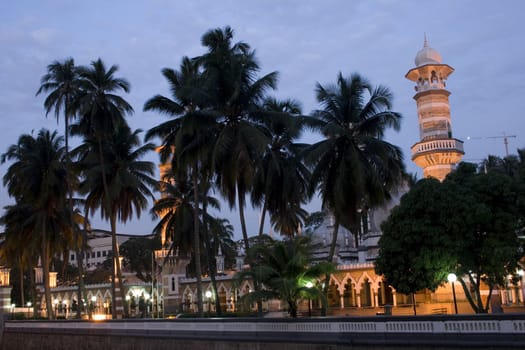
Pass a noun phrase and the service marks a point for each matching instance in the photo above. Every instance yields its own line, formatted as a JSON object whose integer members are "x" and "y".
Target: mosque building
{"x": 355, "y": 288}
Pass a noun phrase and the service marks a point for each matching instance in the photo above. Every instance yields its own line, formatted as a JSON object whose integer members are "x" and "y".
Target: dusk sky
{"x": 305, "y": 41}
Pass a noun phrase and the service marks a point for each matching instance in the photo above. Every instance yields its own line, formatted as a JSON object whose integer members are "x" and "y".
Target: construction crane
{"x": 505, "y": 138}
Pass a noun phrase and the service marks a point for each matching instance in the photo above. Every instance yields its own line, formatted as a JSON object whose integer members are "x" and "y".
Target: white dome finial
{"x": 427, "y": 55}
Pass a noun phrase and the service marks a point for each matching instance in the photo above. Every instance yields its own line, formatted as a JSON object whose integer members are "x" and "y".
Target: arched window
{"x": 433, "y": 77}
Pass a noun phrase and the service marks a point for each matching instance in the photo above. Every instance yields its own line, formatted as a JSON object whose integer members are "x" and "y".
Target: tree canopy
{"x": 468, "y": 225}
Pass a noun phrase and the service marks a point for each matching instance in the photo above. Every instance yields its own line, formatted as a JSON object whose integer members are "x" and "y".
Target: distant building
{"x": 99, "y": 242}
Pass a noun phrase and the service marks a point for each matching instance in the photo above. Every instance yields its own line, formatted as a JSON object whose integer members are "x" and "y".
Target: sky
{"x": 306, "y": 41}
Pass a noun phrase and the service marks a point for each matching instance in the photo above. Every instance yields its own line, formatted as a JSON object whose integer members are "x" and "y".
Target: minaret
{"x": 437, "y": 152}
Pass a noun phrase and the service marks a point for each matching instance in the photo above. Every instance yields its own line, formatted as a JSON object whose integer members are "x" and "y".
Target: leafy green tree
{"x": 469, "y": 225}
{"x": 284, "y": 268}
{"x": 416, "y": 248}
{"x": 137, "y": 253}
{"x": 489, "y": 249}
{"x": 37, "y": 180}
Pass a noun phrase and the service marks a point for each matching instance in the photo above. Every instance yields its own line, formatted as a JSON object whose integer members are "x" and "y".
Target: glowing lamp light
{"x": 309, "y": 284}
{"x": 452, "y": 277}
{"x": 99, "y": 317}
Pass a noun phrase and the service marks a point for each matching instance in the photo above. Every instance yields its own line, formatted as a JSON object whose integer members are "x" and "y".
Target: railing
{"x": 451, "y": 332}
{"x": 450, "y": 324}
{"x": 438, "y": 145}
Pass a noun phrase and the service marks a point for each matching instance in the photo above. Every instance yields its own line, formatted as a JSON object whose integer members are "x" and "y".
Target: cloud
{"x": 43, "y": 36}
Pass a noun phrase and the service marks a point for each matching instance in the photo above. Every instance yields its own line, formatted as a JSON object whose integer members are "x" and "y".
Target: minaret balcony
{"x": 449, "y": 146}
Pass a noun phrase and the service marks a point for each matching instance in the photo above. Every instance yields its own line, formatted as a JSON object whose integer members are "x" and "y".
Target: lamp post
{"x": 29, "y": 309}
{"x": 309, "y": 285}
{"x": 208, "y": 296}
{"x": 452, "y": 278}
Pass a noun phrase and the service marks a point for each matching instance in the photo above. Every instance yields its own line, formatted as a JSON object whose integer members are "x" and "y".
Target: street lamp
{"x": 208, "y": 296}
{"x": 452, "y": 278}
{"x": 29, "y": 308}
{"x": 309, "y": 285}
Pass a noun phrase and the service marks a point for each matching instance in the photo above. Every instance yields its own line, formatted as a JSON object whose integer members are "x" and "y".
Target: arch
{"x": 365, "y": 293}
{"x": 245, "y": 288}
{"x": 349, "y": 293}
{"x": 348, "y": 278}
{"x": 374, "y": 283}
{"x": 333, "y": 295}
{"x": 433, "y": 77}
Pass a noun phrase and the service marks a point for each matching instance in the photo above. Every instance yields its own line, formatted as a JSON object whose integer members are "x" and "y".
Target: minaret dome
{"x": 427, "y": 55}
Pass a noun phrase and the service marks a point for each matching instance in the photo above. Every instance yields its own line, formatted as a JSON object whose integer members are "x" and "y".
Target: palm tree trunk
{"x": 330, "y": 259}
{"x": 263, "y": 216}
{"x": 256, "y": 285}
{"x": 32, "y": 286}
{"x": 212, "y": 266}
{"x": 45, "y": 266}
{"x": 80, "y": 263}
{"x": 333, "y": 243}
{"x": 21, "y": 277}
{"x": 107, "y": 204}
{"x": 113, "y": 278}
{"x": 118, "y": 304}
{"x": 196, "y": 240}
{"x": 240, "y": 200}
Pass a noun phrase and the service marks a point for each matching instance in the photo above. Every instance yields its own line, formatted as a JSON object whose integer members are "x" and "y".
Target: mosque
{"x": 355, "y": 288}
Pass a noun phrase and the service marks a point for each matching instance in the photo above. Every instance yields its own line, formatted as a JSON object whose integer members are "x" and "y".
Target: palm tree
{"x": 62, "y": 81}
{"x": 38, "y": 182}
{"x": 175, "y": 209}
{"x": 285, "y": 270}
{"x": 235, "y": 95}
{"x": 185, "y": 139}
{"x": 353, "y": 165}
{"x": 281, "y": 181}
{"x": 128, "y": 178}
{"x": 101, "y": 112}
{"x": 17, "y": 247}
